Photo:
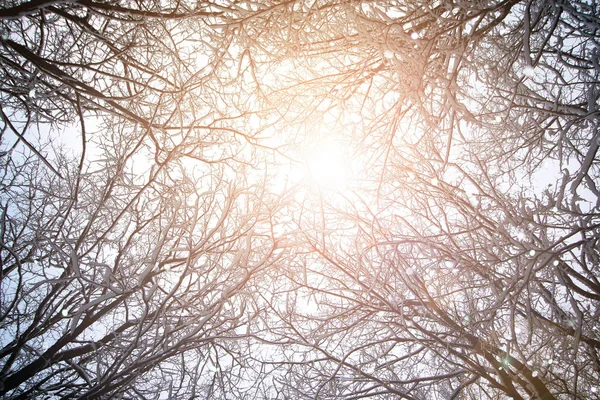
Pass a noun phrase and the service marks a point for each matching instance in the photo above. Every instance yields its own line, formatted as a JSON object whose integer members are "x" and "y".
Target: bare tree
{"x": 201, "y": 254}
{"x": 124, "y": 272}
{"x": 461, "y": 261}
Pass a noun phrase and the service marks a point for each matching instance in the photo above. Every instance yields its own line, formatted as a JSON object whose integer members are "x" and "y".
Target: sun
{"x": 327, "y": 165}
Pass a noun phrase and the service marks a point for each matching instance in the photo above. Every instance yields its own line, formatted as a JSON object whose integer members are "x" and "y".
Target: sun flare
{"x": 327, "y": 165}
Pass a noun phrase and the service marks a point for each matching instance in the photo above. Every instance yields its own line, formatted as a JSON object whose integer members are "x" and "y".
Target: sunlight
{"x": 327, "y": 165}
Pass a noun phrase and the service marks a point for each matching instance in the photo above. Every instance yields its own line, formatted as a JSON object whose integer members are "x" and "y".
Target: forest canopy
{"x": 304, "y": 199}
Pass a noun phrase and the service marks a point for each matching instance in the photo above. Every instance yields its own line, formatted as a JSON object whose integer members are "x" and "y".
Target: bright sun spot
{"x": 327, "y": 165}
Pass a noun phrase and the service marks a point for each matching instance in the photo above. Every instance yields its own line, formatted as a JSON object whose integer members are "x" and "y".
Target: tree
{"x": 123, "y": 270}
{"x": 210, "y": 247}
{"x": 455, "y": 272}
